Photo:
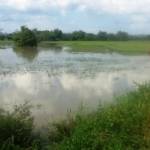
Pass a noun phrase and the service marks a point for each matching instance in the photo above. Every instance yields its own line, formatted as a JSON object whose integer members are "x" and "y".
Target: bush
{"x": 59, "y": 130}
{"x": 16, "y": 128}
{"x": 25, "y": 38}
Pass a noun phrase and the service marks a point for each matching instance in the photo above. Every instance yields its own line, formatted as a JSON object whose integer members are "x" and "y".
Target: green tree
{"x": 102, "y": 35}
{"x": 121, "y": 35}
{"x": 78, "y": 35}
{"x": 2, "y": 35}
{"x": 57, "y": 34}
{"x": 25, "y": 38}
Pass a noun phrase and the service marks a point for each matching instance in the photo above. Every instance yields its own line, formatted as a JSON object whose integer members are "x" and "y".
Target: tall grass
{"x": 16, "y": 128}
{"x": 122, "y": 125}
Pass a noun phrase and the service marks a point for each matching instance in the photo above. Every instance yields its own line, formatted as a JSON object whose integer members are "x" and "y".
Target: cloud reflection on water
{"x": 57, "y": 94}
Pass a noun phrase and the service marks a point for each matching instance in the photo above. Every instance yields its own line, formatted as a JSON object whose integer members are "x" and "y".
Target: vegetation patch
{"x": 118, "y": 126}
{"x": 125, "y": 47}
{"x": 123, "y": 124}
{"x": 25, "y": 38}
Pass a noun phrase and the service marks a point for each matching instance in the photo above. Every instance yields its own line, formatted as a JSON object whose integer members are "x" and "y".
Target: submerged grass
{"x": 121, "y": 125}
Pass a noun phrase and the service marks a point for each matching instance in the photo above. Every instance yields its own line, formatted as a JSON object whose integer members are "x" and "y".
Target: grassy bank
{"x": 129, "y": 47}
{"x": 125, "y": 124}
{"x": 103, "y": 46}
{"x": 119, "y": 126}
{"x": 6, "y": 42}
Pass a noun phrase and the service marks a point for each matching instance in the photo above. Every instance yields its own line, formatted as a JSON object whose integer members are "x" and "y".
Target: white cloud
{"x": 139, "y": 23}
{"x": 138, "y": 19}
{"x": 16, "y": 4}
{"x": 134, "y": 12}
{"x": 118, "y": 6}
{"x": 38, "y": 4}
{"x": 108, "y": 6}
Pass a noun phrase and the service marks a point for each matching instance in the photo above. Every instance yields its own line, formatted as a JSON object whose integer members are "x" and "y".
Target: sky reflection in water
{"x": 61, "y": 80}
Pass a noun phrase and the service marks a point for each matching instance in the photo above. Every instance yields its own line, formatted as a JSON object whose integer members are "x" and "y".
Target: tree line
{"x": 58, "y": 35}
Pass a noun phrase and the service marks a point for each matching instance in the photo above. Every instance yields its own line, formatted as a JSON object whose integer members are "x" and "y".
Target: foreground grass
{"x": 104, "y": 46}
{"x": 119, "y": 126}
{"x": 123, "y": 125}
{"x": 16, "y": 128}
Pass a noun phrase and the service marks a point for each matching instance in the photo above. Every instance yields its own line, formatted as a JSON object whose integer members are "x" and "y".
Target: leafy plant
{"x": 16, "y": 127}
{"x": 25, "y": 38}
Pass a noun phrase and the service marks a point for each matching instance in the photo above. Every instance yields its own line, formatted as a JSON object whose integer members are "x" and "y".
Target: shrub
{"x": 16, "y": 128}
{"x": 25, "y": 38}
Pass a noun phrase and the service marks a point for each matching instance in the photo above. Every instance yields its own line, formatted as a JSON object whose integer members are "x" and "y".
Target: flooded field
{"x": 56, "y": 80}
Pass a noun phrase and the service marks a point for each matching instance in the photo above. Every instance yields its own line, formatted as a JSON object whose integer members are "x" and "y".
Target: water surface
{"x": 56, "y": 79}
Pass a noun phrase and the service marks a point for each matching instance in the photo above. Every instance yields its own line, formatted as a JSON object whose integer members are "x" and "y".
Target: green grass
{"x": 104, "y": 46}
{"x": 121, "y": 125}
{"x": 128, "y": 47}
{"x": 16, "y": 128}
{"x": 6, "y": 42}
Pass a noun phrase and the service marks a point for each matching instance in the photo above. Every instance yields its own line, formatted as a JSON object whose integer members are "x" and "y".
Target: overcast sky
{"x": 132, "y": 16}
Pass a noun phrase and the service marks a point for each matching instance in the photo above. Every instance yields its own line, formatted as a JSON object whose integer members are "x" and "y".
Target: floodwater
{"x": 56, "y": 80}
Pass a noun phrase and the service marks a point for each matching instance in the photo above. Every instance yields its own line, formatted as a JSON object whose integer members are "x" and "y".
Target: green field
{"x": 129, "y": 47}
{"x": 6, "y": 42}
{"x": 104, "y": 46}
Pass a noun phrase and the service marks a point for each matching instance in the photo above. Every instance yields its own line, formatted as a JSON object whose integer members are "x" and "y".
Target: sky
{"x": 68, "y": 15}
